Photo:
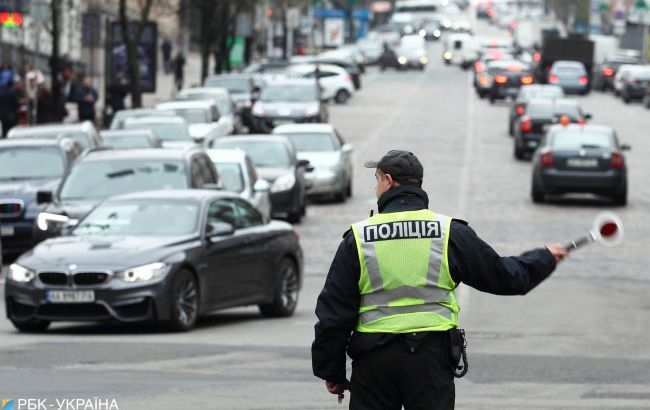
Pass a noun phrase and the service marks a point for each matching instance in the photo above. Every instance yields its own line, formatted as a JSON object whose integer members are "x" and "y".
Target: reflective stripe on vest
{"x": 405, "y": 283}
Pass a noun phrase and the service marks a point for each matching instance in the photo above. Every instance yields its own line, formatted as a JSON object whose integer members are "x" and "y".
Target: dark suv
{"x": 105, "y": 173}
{"x": 507, "y": 79}
{"x": 20, "y": 181}
{"x": 541, "y": 114}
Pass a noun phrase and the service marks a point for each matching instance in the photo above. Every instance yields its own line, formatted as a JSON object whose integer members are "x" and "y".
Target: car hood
{"x": 320, "y": 159}
{"x": 200, "y": 130}
{"x": 16, "y": 189}
{"x": 271, "y": 174}
{"x": 102, "y": 252}
{"x": 178, "y": 144}
{"x": 75, "y": 209}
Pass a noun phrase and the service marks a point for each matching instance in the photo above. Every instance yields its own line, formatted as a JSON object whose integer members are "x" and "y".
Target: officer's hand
{"x": 558, "y": 251}
{"x": 334, "y": 388}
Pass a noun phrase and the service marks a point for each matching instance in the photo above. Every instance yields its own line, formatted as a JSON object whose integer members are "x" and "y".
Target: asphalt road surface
{"x": 578, "y": 341}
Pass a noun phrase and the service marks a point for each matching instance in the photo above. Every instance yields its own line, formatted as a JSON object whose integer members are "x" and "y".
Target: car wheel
{"x": 341, "y": 195}
{"x": 481, "y": 95}
{"x": 184, "y": 300}
{"x": 537, "y": 194}
{"x": 518, "y": 152}
{"x": 342, "y": 96}
{"x": 348, "y": 190}
{"x": 31, "y": 326}
{"x": 511, "y": 129}
{"x": 295, "y": 217}
{"x": 620, "y": 197}
{"x": 285, "y": 297}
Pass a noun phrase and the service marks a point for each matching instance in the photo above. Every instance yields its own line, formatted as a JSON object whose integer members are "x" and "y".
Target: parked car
{"x": 276, "y": 160}
{"x": 172, "y": 130}
{"x": 580, "y": 159}
{"x": 540, "y": 115}
{"x": 349, "y": 66}
{"x": 288, "y": 101}
{"x": 243, "y": 90}
{"x": 525, "y": 94}
{"x": 20, "y": 180}
{"x": 84, "y": 133}
{"x": 122, "y": 263}
{"x": 203, "y": 119}
{"x": 570, "y": 75}
{"x": 129, "y": 139}
{"x": 327, "y": 153}
{"x": 221, "y": 96}
{"x": 101, "y": 174}
{"x": 238, "y": 174}
{"x": 334, "y": 81}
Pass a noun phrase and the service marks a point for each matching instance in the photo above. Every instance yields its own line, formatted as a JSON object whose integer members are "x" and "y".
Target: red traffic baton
{"x": 607, "y": 230}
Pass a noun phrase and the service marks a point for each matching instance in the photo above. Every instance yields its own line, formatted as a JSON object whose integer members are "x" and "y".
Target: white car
{"x": 202, "y": 117}
{"x": 222, "y": 99}
{"x": 625, "y": 71}
{"x": 336, "y": 83}
{"x": 237, "y": 174}
{"x": 172, "y": 130}
{"x": 327, "y": 153}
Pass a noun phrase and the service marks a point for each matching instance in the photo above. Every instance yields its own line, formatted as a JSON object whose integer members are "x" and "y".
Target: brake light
{"x": 526, "y": 125}
{"x": 483, "y": 80}
{"x": 348, "y": 77}
{"x": 608, "y": 71}
{"x": 582, "y": 121}
{"x": 500, "y": 79}
{"x": 527, "y": 79}
{"x": 489, "y": 12}
{"x": 583, "y": 80}
{"x": 616, "y": 162}
{"x": 520, "y": 109}
{"x": 537, "y": 57}
{"x": 546, "y": 159}
{"x": 479, "y": 67}
{"x": 553, "y": 79}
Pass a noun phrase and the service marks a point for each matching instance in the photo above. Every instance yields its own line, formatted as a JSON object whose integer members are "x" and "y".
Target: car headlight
{"x": 423, "y": 60}
{"x": 311, "y": 111}
{"x": 46, "y": 219}
{"x": 19, "y": 273}
{"x": 143, "y": 273}
{"x": 402, "y": 60}
{"x": 284, "y": 183}
{"x": 258, "y": 110}
{"x": 437, "y": 33}
{"x": 422, "y": 33}
{"x": 243, "y": 103}
{"x": 447, "y": 55}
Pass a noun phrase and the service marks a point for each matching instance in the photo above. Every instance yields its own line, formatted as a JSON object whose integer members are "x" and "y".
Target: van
{"x": 460, "y": 49}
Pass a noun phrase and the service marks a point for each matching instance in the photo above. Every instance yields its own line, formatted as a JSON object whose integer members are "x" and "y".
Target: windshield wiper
{"x": 121, "y": 173}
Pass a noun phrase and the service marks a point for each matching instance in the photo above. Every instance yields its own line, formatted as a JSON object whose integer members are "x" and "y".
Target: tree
{"x": 55, "y": 57}
{"x": 132, "y": 41}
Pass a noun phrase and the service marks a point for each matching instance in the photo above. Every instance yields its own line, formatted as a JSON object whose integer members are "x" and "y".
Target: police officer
{"x": 389, "y": 295}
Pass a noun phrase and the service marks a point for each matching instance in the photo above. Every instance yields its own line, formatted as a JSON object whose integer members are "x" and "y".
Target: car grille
{"x": 53, "y": 278}
{"x": 89, "y": 278}
{"x": 11, "y": 208}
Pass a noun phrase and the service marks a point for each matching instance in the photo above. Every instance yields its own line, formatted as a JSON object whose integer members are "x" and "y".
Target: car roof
{"x": 178, "y": 194}
{"x": 185, "y": 104}
{"x": 31, "y": 142}
{"x": 204, "y": 90}
{"x": 126, "y": 132}
{"x": 169, "y": 119}
{"x": 256, "y": 137}
{"x": 315, "y": 127}
{"x": 140, "y": 153}
{"x": 292, "y": 81}
{"x": 586, "y": 128}
{"x": 226, "y": 154}
{"x": 24, "y": 129}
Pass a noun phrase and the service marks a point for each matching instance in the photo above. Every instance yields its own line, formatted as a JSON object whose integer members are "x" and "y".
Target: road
{"x": 578, "y": 341}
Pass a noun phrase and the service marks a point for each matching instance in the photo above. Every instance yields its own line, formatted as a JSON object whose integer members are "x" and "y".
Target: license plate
{"x": 70, "y": 296}
{"x": 582, "y": 162}
{"x": 6, "y": 231}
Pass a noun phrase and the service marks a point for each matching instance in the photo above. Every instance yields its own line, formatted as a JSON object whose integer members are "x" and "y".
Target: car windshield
{"x": 234, "y": 85}
{"x": 320, "y": 141}
{"x": 291, "y": 93}
{"x": 80, "y": 137}
{"x": 166, "y": 131}
{"x": 264, "y": 154}
{"x": 18, "y": 163}
{"x": 141, "y": 218}
{"x": 230, "y": 176}
{"x": 127, "y": 141}
{"x": 575, "y": 140}
{"x": 101, "y": 179}
{"x": 193, "y": 115}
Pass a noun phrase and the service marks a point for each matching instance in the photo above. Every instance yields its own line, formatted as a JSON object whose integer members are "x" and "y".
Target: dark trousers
{"x": 391, "y": 377}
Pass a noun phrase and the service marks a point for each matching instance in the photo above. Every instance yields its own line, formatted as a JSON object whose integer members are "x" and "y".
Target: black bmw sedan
{"x": 167, "y": 256}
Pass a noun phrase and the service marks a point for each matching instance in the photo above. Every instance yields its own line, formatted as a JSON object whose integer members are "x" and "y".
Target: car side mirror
{"x": 198, "y": 140}
{"x": 218, "y": 229}
{"x": 261, "y": 185}
{"x": 303, "y": 162}
{"x": 588, "y": 116}
{"x": 44, "y": 197}
{"x": 346, "y": 148}
{"x": 625, "y": 147}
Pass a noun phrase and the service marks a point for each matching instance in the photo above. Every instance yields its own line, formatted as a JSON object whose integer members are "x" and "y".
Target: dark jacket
{"x": 86, "y": 106}
{"x": 471, "y": 261}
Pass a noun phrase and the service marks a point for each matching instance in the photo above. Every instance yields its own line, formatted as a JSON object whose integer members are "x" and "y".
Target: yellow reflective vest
{"x": 405, "y": 283}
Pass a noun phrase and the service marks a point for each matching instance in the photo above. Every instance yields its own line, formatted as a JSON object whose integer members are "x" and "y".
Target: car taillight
{"x": 520, "y": 109}
{"x": 500, "y": 79}
{"x": 483, "y": 80}
{"x": 553, "y": 79}
{"x": 527, "y": 79}
{"x": 547, "y": 160}
{"x": 582, "y": 121}
{"x": 583, "y": 80}
{"x": 348, "y": 77}
{"x": 537, "y": 57}
{"x": 526, "y": 124}
{"x": 616, "y": 162}
{"x": 608, "y": 71}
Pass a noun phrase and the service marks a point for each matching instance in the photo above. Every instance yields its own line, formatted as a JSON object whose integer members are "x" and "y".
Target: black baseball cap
{"x": 403, "y": 166}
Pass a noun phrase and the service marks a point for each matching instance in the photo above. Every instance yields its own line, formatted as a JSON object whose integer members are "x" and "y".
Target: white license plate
{"x": 582, "y": 162}
{"x": 70, "y": 296}
{"x": 6, "y": 231}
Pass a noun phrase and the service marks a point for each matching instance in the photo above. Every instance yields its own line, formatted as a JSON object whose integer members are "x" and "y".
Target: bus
{"x": 415, "y": 12}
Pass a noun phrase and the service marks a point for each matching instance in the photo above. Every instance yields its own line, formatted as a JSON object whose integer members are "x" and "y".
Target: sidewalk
{"x": 165, "y": 82}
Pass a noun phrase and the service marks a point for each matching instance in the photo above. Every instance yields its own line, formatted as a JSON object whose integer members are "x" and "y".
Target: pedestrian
{"x": 9, "y": 105}
{"x": 389, "y": 295}
{"x": 117, "y": 92}
{"x": 86, "y": 96}
{"x": 178, "y": 63}
{"x": 45, "y": 112}
{"x": 166, "y": 48}
{"x": 6, "y": 75}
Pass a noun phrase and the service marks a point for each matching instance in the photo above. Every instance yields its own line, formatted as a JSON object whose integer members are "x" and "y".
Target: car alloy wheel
{"x": 185, "y": 301}
{"x": 342, "y": 96}
{"x": 285, "y": 298}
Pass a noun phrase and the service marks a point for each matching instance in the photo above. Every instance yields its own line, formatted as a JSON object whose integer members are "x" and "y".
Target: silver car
{"x": 237, "y": 174}
{"x": 329, "y": 155}
{"x": 570, "y": 75}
